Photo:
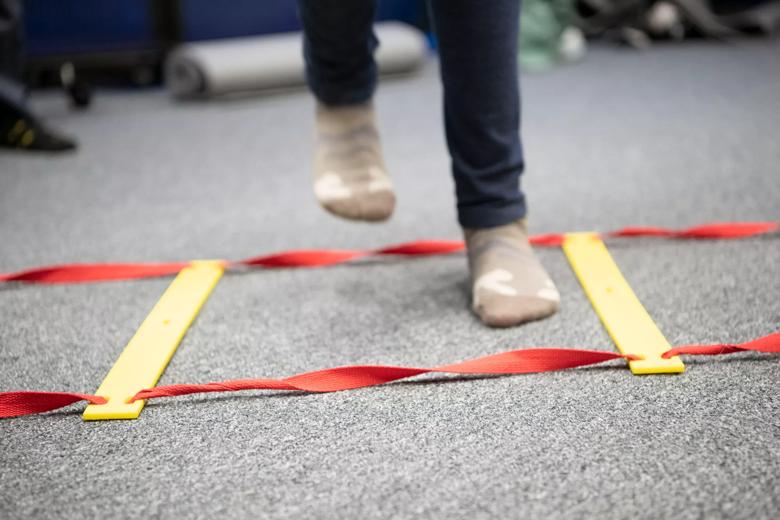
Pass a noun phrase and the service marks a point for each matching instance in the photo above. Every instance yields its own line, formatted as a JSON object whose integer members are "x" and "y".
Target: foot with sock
{"x": 509, "y": 284}
{"x": 350, "y": 178}
{"x": 19, "y": 129}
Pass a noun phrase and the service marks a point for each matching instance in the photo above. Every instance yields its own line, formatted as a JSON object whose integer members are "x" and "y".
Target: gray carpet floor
{"x": 673, "y": 136}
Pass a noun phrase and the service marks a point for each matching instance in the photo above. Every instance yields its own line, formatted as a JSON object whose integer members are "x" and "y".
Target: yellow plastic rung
{"x": 145, "y": 357}
{"x": 623, "y": 315}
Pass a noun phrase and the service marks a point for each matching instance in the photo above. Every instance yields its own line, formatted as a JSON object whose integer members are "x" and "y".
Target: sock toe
{"x": 509, "y": 312}
{"x": 350, "y": 179}
{"x": 509, "y": 285}
{"x": 373, "y": 207}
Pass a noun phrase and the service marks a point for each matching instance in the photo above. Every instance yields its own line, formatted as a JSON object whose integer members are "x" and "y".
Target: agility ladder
{"x": 132, "y": 379}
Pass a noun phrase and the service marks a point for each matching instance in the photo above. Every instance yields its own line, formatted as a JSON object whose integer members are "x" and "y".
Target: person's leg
{"x": 478, "y": 59}
{"x": 10, "y": 40}
{"x": 350, "y": 178}
{"x": 18, "y": 127}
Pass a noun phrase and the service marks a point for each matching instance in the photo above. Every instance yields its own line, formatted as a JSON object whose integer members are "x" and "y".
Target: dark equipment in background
{"x": 80, "y": 43}
{"x": 637, "y": 22}
{"x": 102, "y": 42}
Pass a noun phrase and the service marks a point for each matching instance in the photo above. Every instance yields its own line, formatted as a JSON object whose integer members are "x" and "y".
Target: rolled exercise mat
{"x": 263, "y": 62}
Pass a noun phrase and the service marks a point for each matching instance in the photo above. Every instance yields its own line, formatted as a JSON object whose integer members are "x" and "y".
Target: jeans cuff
{"x": 338, "y": 95}
{"x": 491, "y": 215}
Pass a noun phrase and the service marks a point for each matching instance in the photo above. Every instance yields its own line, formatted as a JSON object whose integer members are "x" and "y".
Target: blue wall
{"x": 53, "y": 26}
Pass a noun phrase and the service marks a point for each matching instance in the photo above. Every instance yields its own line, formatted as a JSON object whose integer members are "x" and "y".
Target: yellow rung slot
{"x": 623, "y": 315}
{"x": 145, "y": 357}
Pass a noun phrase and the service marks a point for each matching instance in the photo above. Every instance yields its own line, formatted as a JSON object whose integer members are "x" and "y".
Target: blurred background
{"x": 84, "y": 44}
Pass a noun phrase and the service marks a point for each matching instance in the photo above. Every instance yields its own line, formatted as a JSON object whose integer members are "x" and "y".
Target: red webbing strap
{"x": 422, "y": 247}
{"x": 13, "y": 404}
{"x": 768, "y": 344}
{"x": 548, "y": 240}
{"x": 326, "y": 257}
{"x": 303, "y": 258}
{"x": 360, "y": 376}
{"x": 79, "y": 273}
{"x": 715, "y": 231}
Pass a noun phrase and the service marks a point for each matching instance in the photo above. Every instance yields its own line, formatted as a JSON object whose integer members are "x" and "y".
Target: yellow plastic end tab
{"x": 145, "y": 357}
{"x": 623, "y": 315}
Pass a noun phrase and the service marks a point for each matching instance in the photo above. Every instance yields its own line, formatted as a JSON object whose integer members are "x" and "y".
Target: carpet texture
{"x": 674, "y": 136}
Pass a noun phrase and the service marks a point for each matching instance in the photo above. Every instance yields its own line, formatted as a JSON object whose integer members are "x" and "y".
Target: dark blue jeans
{"x": 478, "y": 65}
{"x": 11, "y": 89}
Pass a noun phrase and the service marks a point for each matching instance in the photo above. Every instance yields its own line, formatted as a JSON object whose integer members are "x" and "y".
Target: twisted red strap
{"x": 768, "y": 344}
{"x": 526, "y": 361}
{"x": 714, "y": 231}
{"x": 360, "y": 376}
{"x": 79, "y": 273}
{"x": 14, "y": 404}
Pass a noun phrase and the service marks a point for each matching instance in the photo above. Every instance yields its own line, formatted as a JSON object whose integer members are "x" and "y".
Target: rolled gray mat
{"x": 242, "y": 64}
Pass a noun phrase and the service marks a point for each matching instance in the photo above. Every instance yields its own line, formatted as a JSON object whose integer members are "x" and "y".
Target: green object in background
{"x": 546, "y": 35}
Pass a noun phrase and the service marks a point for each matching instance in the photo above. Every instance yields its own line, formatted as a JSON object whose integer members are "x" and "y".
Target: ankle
{"x": 516, "y": 230}
{"x": 340, "y": 118}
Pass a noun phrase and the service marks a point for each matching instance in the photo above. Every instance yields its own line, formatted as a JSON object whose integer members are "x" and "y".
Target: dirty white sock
{"x": 509, "y": 284}
{"x": 350, "y": 178}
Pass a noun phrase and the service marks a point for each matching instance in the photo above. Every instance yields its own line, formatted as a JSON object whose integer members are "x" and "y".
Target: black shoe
{"x": 19, "y": 129}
